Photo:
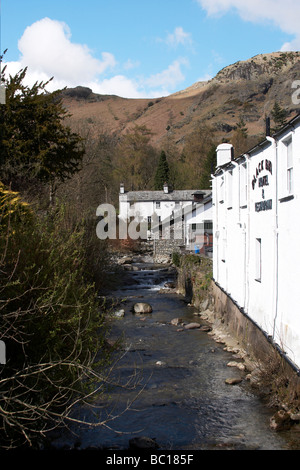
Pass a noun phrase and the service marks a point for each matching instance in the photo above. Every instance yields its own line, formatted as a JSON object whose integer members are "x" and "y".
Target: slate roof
{"x": 177, "y": 195}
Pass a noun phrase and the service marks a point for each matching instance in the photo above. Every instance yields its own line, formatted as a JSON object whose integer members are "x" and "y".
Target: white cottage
{"x": 181, "y": 214}
{"x": 198, "y": 227}
{"x": 256, "y": 226}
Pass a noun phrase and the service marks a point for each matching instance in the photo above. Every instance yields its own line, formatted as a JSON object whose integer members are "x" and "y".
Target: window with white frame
{"x": 222, "y": 189}
{"x": 258, "y": 259}
{"x": 243, "y": 184}
{"x": 229, "y": 182}
{"x": 289, "y": 165}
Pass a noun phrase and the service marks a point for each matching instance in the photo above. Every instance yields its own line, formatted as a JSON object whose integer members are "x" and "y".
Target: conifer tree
{"x": 279, "y": 116}
{"x": 239, "y": 139}
{"x": 162, "y": 173}
{"x": 36, "y": 145}
{"x": 208, "y": 168}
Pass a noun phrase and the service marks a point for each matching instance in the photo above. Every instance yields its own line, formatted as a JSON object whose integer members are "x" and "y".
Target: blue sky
{"x": 141, "y": 48}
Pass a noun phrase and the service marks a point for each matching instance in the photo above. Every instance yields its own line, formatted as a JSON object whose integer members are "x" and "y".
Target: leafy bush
{"x": 176, "y": 259}
{"x": 50, "y": 321}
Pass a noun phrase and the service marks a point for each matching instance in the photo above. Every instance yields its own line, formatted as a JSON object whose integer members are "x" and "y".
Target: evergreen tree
{"x": 279, "y": 116}
{"x": 162, "y": 173}
{"x": 35, "y": 143}
{"x": 208, "y": 168}
{"x": 239, "y": 138}
{"x": 241, "y": 126}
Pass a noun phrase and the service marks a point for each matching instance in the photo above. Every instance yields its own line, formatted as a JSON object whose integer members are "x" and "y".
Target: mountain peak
{"x": 244, "y": 90}
{"x": 258, "y": 66}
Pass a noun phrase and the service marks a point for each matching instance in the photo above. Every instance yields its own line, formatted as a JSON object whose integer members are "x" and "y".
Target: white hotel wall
{"x": 229, "y": 236}
{"x": 288, "y": 314}
{"x": 272, "y": 301}
{"x": 261, "y": 298}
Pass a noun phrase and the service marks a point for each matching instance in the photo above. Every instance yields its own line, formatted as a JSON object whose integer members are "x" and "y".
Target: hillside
{"x": 246, "y": 89}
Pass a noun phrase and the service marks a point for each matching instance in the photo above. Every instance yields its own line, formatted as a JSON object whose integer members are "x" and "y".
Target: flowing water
{"x": 180, "y": 397}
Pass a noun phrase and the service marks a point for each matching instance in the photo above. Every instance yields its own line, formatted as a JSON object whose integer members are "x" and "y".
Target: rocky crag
{"x": 246, "y": 89}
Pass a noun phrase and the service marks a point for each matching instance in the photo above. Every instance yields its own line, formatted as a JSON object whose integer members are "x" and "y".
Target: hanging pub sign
{"x": 263, "y": 181}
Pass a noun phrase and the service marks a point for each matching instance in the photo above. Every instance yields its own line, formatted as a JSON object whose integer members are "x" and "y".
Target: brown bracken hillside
{"x": 247, "y": 89}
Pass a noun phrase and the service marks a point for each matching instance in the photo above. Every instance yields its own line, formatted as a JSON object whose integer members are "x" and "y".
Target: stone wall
{"x": 258, "y": 345}
{"x": 194, "y": 279}
{"x": 249, "y": 335}
{"x": 164, "y": 249}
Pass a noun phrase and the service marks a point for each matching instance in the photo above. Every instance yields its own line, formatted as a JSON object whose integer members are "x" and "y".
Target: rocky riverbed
{"x": 187, "y": 380}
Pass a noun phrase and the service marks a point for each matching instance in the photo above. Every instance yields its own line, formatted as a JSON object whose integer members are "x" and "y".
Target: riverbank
{"x": 181, "y": 398}
{"x": 256, "y": 357}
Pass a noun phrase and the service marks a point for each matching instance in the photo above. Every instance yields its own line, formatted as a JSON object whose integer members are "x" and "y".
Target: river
{"x": 180, "y": 399}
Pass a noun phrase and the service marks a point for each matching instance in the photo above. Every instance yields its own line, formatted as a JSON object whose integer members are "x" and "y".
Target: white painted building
{"x": 184, "y": 211}
{"x": 198, "y": 227}
{"x": 256, "y": 227}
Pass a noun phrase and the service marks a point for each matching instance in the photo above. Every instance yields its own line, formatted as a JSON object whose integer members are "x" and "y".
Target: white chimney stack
{"x": 122, "y": 189}
{"x": 224, "y": 154}
{"x": 166, "y": 189}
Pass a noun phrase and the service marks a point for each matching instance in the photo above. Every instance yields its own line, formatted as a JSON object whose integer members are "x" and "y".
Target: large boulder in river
{"x": 142, "y": 307}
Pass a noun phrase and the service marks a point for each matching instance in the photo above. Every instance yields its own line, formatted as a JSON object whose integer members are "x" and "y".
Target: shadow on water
{"x": 181, "y": 398}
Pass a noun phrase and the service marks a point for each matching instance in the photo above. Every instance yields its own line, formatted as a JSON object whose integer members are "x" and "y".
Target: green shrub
{"x": 176, "y": 259}
{"x": 50, "y": 320}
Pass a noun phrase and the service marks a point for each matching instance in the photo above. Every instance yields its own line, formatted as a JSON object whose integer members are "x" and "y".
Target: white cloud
{"x": 179, "y": 37}
{"x": 46, "y": 47}
{"x": 118, "y": 85}
{"x": 284, "y": 15}
{"x": 47, "y": 50}
{"x": 168, "y": 78}
{"x": 130, "y": 64}
{"x": 205, "y": 78}
{"x": 293, "y": 45}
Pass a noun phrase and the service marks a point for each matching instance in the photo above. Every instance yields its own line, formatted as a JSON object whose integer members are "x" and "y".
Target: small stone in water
{"x": 233, "y": 381}
{"x": 176, "y": 321}
{"x": 192, "y": 326}
{"x": 120, "y": 313}
{"x": 236, "y": 364}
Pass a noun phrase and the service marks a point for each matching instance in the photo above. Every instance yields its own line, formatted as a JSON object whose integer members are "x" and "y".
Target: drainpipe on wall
{"x": 239, "y": 205}
{"x": 246, "y": 229}
{"x": 276, "y": 231}
{"x": 246, "y": 242}
{"x": 215, "y": 219}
